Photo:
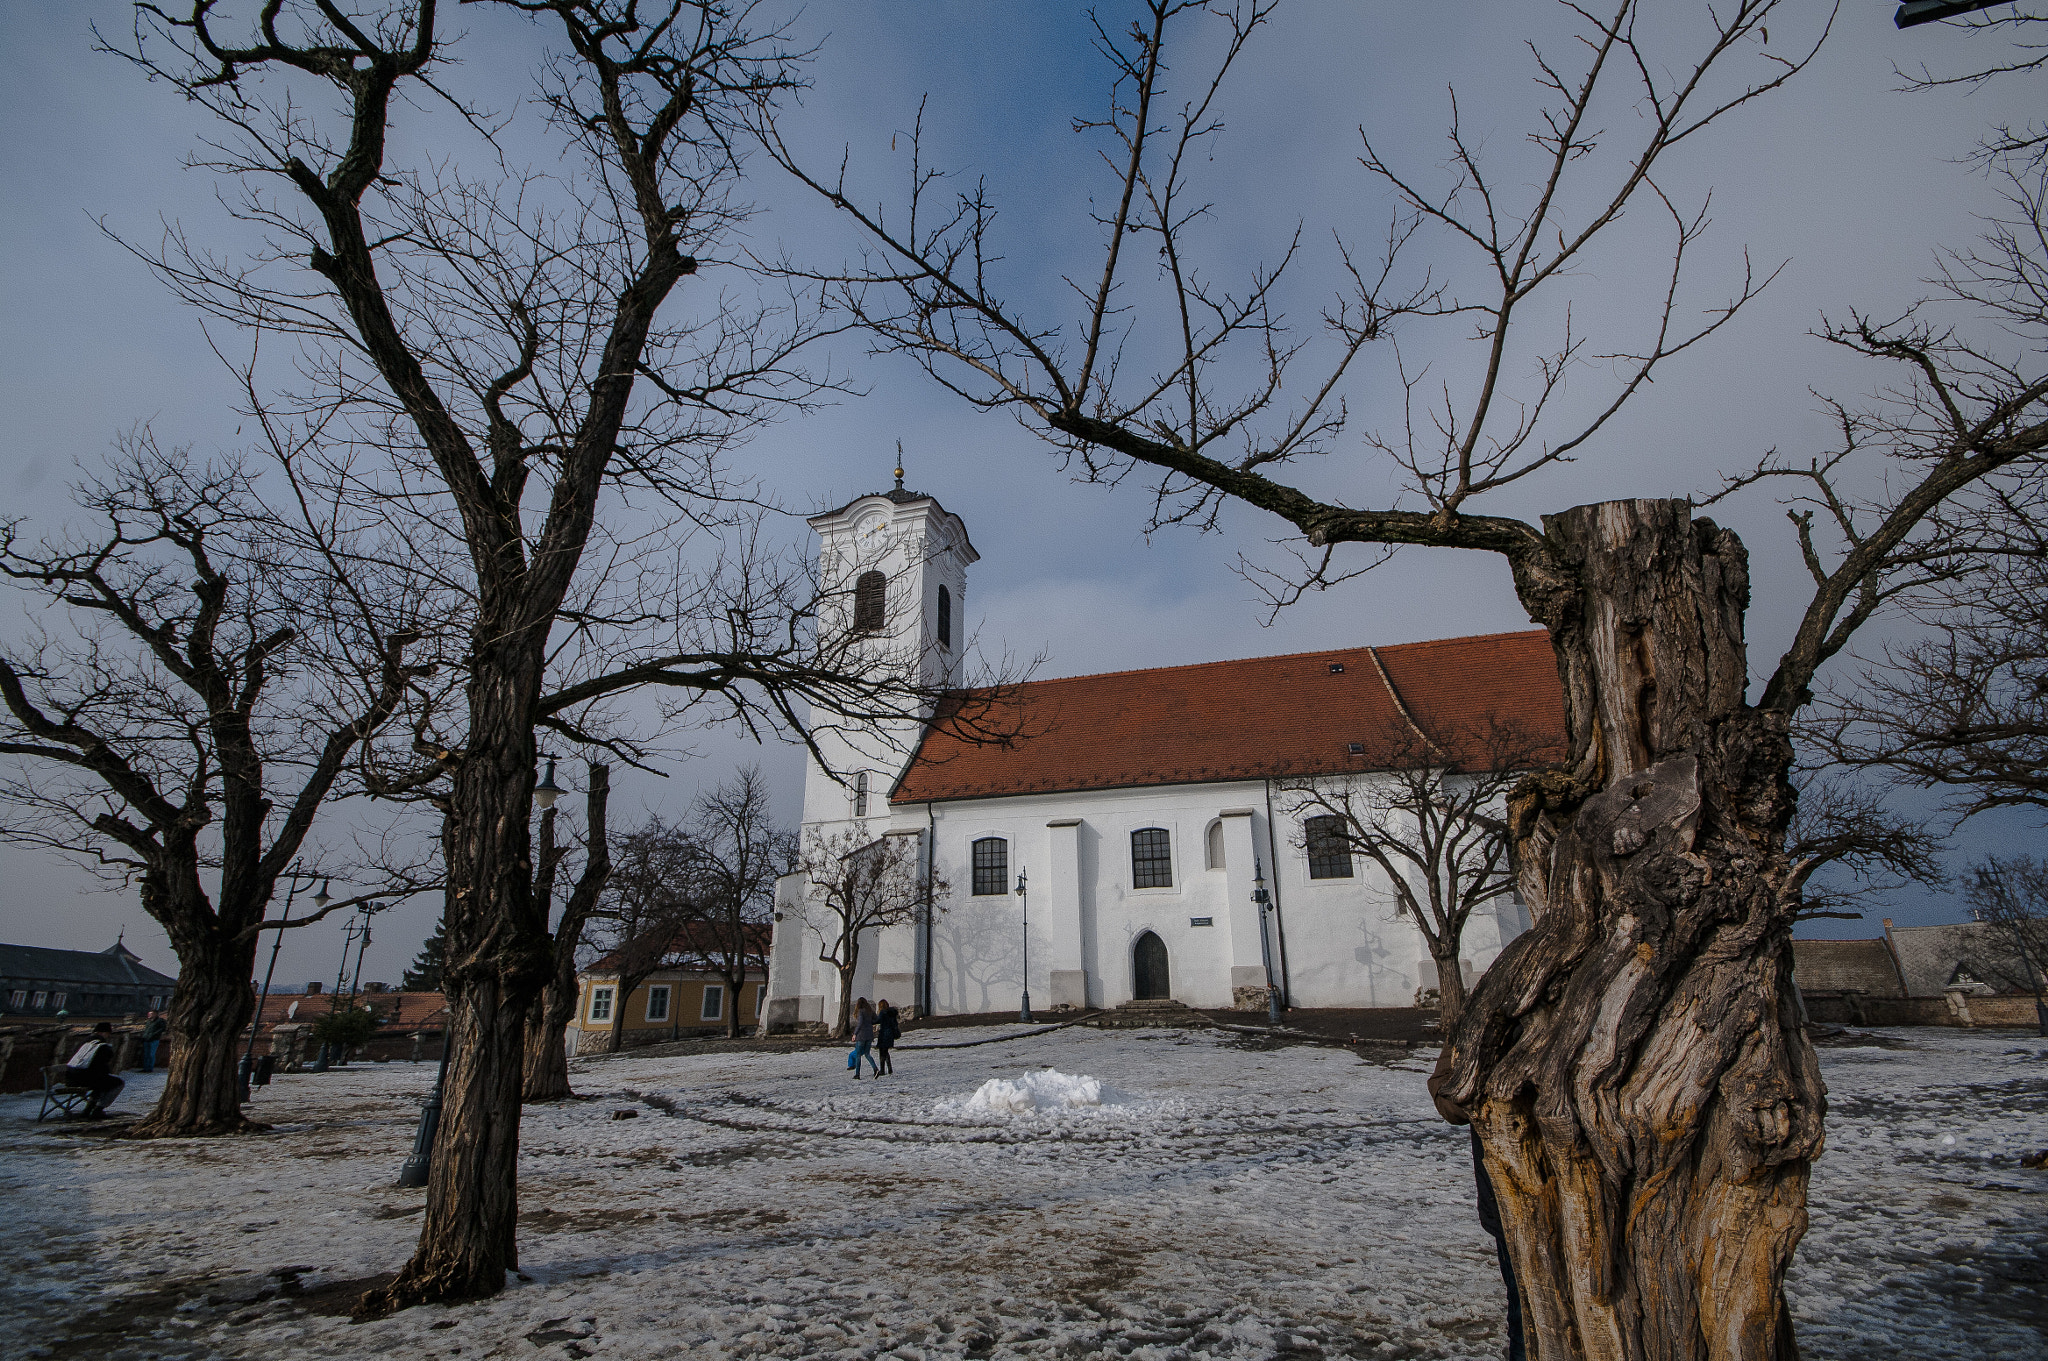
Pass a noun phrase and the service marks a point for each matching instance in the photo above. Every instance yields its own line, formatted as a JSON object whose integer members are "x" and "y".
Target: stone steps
{"x": 1137, "y": 1015}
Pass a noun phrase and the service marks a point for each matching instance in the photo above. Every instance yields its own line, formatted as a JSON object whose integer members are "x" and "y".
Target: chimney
{"x": 312, "y": 990}
{"x": 376, "y": 987}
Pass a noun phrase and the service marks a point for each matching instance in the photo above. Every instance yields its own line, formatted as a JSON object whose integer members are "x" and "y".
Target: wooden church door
{"x": 1150, "y": 961}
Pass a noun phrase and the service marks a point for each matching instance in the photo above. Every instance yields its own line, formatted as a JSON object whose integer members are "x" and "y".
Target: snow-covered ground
{"x": 1218, "y": 1201}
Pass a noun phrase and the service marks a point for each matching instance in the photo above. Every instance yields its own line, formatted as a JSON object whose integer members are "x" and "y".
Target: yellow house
{"x": 686, "y": 998}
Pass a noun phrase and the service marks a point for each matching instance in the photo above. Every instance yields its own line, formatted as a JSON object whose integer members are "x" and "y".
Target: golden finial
{"x": 899, "y": 465}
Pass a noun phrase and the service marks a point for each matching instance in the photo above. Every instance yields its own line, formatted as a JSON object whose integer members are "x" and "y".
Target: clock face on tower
{"x": 869, "y": 536}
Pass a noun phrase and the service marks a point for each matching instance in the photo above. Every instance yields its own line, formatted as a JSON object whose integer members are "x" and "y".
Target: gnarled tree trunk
{"x": 209, "y": 1018}
{"x": 1637, "y": 1065}
{"x": 498, "y": 961}
{"x": 547, "y": 1043}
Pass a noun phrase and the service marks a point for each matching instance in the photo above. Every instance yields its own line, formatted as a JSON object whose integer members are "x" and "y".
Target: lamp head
{"x": 547, "y": 791}
{"x": 325, "y": 895}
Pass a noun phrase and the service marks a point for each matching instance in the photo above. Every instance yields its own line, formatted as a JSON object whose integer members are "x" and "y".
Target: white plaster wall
{"x": 1344, "y": 945}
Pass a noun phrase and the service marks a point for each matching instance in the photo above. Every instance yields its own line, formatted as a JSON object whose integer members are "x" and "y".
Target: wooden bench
{"x": 60, "y": 1095}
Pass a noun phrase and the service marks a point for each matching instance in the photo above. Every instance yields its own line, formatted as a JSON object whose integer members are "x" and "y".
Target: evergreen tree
{"x": 425, "y": 973}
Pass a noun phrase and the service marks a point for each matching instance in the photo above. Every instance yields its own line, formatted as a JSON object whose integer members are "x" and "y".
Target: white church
{"x": 1135, "y": 809}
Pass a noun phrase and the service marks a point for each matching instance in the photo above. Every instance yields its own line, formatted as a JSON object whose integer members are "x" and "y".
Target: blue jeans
{"x": 861, "y": 1051}
{"x": 149, "y": 1055}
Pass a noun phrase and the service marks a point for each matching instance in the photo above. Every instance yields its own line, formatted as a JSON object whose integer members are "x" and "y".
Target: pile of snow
{"x": 1050, "y": 1090}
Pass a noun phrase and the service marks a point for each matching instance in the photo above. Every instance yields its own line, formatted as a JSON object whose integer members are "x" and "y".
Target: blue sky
{"x": 1849, "y": 183}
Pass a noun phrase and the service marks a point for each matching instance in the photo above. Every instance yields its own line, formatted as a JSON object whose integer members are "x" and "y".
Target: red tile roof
{"x": 400, "y": 1008}
{"x": 1266, "y": 717}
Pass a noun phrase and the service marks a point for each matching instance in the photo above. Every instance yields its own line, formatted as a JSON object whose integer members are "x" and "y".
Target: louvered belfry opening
{"x": 870, "y": 599}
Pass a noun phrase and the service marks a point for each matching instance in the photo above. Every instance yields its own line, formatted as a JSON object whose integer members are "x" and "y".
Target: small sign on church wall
{"x": 1201, "y": 921}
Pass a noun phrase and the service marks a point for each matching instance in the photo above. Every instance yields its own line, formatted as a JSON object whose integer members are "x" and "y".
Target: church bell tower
{"x": 892, "y": 568}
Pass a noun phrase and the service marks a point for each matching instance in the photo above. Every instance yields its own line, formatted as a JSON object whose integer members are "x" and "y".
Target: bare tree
{"x": 1961, "y": 710}
{"x": 1433, "y": 820}
{"x": 183, "y": 719}
{"x": 547, "y": 1051}
{"x": 489, "y": 361}
{"x": 648, "y": 918}
{"x": 2026, "y": 53}
{"x": 2009, "y": 895}
{"x": 856, "y": 886}
{"x": 1636, "y": 1065}
{"x": 1849, "y": 843}
{"x": 740, "y": 854}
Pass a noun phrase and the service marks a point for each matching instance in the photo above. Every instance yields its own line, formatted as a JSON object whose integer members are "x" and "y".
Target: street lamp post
{"x": 350, "y": 934}
{"x": 1264, "y": 902}
{"x": 414, "y": 1172}
{"x": 1024, "y": 901}
{"x": 320, "y": 900}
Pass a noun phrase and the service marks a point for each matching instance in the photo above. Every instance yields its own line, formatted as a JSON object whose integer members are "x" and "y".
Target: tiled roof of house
{"x": 1265, "y": 717}
{"x": 397, "y": 1008}
{"x": 1930, "y": 955}
{"x": 1865, "y": 966}
{"x": 116, "y": 966}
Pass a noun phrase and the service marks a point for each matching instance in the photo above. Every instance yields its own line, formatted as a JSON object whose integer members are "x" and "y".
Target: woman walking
{"x": 863, "y": 1038}
{"x": 886, "y": 1031}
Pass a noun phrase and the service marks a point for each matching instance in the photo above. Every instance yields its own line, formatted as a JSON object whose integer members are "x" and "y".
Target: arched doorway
{"x": 1149, "y": 968}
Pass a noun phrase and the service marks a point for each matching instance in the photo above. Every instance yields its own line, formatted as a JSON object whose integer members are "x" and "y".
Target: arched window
{"x": 1329, "y": 850}
{"x": 1151, "y": 858}
{"x": 1216, "y": 845}
{"x": 945, "y": 619}
{"x": 860, "y": 795}
{"x": 991, "y": 866}
{"x": 870, "y": 592}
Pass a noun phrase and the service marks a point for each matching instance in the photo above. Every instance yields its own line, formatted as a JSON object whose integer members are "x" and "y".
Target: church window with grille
{"x": 1329, "y": 850}
{"x": 870, "y": 596}
{"x": 945, "y": 619}
{"x": 860, "y": 795}
{"x": 1151, "y": 858}
{"x": 991, "y": 866}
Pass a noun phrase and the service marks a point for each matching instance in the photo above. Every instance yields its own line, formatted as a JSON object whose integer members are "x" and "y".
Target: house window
{"x": 860, "y": 795}
{"x": 1151, "y": 858}
{"x": 657, "y": 1003}
{"x": 57, "y": 999}
{"x": 157, "y": 1003}
{"x": 714, "y": 1002}
{"x": 1216, "y": 846}
{"x": 870, "y": 591}
{"x": 945, "y": 619}
{"x": 991, "y": 866}
{"x": 41, "y": 998}
{"x": 18, "y": 998}
{"x": 760, "y": 999}
{"x": 1329, "y": 850}
{"x": 600, "y": 1004}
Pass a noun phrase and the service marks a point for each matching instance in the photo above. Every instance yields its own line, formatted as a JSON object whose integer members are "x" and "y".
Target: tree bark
{"x": 547, "y": 1043}
{"x": 735, "y": 991}
{"x": 1637, "y": 1064}
{"x": 209, "y": 1014}
{"x": 498, "y": 961}
{"x": 1450, "y": 990}
{"x": 547, "y": 1051}
{"x": 846, "y": 997}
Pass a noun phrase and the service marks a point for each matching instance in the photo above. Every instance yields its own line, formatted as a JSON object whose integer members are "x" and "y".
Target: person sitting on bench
{"x": 92, "y": 1067}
